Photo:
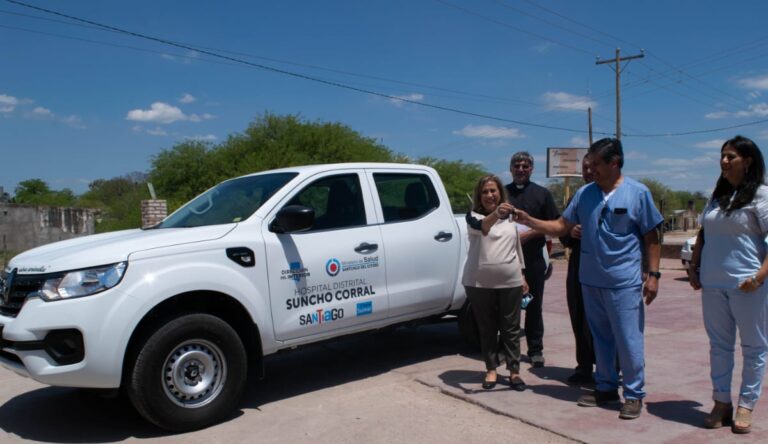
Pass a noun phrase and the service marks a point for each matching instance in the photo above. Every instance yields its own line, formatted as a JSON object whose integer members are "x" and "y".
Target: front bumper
{"x": 77, "y": 343}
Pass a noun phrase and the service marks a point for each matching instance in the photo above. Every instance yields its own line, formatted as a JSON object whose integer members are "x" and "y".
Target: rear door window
{"x": 405, "y": 196}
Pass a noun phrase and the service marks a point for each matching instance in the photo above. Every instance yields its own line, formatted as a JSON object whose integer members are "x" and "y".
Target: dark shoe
{"x": 721, "y": 415}
{"x": 580, "y": 379}
{"x": 598, "y": 398}
{"x": 631, "y": 409}
{"x": 517, "y": 384}
{"x": 537, "y": 361}
{"x": 743, "y": 417}
{"x": 487, "y": 384}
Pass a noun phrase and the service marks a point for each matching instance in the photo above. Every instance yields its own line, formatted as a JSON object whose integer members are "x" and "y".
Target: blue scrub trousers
{"x": 724, "y": 312}
{"x": 616, "y": 319}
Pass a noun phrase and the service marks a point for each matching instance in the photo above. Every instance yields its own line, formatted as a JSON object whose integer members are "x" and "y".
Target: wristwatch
{"x": 655, "y": 274}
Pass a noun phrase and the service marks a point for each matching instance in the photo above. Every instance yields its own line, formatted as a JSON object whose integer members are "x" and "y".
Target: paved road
{"x": 360, "y": 389}
{"x": 418, "y": 385}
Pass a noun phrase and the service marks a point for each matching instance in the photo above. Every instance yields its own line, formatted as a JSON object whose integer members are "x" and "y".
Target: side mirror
{"x": 293, "y": 219}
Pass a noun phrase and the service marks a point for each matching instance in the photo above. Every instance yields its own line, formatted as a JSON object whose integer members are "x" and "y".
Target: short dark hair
{"x": 520, "y": 156}
{"x": 753, "y": 177}
{"x": 608, "y": 149}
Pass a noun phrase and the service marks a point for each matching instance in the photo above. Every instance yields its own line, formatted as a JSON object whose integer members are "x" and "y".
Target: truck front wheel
{"x": 190, "y": 373}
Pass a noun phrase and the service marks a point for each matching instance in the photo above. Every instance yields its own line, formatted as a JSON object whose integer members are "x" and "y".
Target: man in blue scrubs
{"x": 618, "y": 219}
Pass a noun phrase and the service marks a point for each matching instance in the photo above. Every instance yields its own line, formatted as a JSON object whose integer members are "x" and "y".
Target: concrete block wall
{"x": 27, "y": 226}
{"x": 153, "y": 211}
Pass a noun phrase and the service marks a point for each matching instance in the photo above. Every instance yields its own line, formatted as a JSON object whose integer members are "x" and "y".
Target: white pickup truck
{"x": 177, "y": 315}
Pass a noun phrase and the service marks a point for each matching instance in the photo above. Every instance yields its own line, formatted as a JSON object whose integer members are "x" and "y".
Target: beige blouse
{"x": 495, "y": 260}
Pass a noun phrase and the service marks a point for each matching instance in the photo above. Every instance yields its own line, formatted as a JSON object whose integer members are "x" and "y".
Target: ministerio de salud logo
{"x": 332, "y": 267}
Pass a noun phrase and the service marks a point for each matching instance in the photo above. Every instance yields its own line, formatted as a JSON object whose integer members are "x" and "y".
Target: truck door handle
{"x": 443, "y": 236}
{"x": 366, "y": 248}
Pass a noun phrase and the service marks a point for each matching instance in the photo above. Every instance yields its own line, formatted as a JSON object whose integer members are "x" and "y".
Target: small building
{"x": 27, "y": 226}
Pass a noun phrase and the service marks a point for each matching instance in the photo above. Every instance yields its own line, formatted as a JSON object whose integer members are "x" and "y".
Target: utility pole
{"x": 617, "y": 70}
{"x": 589, "y": 121}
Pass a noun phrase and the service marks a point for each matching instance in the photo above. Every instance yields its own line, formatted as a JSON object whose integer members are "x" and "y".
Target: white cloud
{"x": 753, "y": 110}
{"x": 567, "y": 102}
{"x": 543, "y": 47}
{"x": 186, "y": 59}
{"x": 759, "y": 82}
{"x": 489, "y": 132}
{"x": 8, "y": 103}
{"x": 635, "y": 155}
{"x": 757, "y": 109}
{"x": 39, "y": 111}
{"x": 159, "y": 112}
{"x": 74, "y": 121}
{"x": 187, "y": 98}
{"x": 203, "y": 138}
{"x": 717, "y": 115}
{"x": 157, "y": 131}
{"x": 684, "y": 163}
{"x": 578, "y": 141}
{"x": 199, "y": 118}
{"x": 413, "y": 97}
{"x": 710, "y": 144}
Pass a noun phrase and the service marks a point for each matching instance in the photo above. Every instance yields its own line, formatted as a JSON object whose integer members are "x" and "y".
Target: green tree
{"x": 459, "y": 178}
{"x": 659, "y": 191}
{"x": 37, "y": 192}
{"x": 269, "y": 142}
{"x": 184, "y": 171}
{"x": 556, "y": 187}
{"x": 119, "y": 199}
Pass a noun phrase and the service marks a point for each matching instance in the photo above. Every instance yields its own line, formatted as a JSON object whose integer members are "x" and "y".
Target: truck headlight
{"x": 78, "y": 283}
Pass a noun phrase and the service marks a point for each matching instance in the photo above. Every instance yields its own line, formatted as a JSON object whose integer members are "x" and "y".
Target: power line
{"x": 295, "y": 74}
{"x": 495, "y": 99}
{"x": 543, "y": 20}
{"x": 513, "y": 27}
{"x": 675, "y": 69}
{"x": 356, "y": 89}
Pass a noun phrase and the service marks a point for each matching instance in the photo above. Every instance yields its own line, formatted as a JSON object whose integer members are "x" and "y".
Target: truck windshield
{"x": 228, "y": 202}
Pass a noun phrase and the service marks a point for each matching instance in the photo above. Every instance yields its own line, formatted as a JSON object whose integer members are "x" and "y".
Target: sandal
{"x": 743, "y": 416}
{"x": 721, "y": 415}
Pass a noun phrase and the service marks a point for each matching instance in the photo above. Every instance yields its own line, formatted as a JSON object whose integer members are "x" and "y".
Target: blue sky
{"x": 79, "y": 103}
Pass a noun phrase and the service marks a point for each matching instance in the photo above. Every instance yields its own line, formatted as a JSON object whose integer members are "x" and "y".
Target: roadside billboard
{"x": 565, "y": 162}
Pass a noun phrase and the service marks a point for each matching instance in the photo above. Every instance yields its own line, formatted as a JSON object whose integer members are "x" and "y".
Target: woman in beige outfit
{"x": 494, "y": 282}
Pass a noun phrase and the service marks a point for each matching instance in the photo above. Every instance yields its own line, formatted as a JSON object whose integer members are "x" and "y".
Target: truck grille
{"x": 15, "y": 289}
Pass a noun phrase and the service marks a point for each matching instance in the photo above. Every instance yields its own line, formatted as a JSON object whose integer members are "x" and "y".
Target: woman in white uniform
{"x": 730, "y": 264}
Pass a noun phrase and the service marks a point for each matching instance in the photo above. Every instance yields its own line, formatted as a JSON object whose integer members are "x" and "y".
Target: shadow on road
{"x": 683, "y": 411}
{"x": 68, "y": 415}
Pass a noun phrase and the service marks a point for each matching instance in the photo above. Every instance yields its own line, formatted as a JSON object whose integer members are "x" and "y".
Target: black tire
{"x": 190, "y": 373}
{"x": 468, "y": 327}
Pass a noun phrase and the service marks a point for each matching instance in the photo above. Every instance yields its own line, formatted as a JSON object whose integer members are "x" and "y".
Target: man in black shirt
{"x": 536, "y": 201}
{"x": 585, "y": 352}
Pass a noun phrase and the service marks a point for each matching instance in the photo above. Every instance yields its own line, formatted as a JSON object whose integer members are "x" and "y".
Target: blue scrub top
{"x": 734, "y": 244}
{"x": 612, "y": 232}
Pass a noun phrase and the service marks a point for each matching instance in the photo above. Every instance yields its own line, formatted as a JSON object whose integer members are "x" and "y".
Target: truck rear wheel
{"x": 189, "y": 374}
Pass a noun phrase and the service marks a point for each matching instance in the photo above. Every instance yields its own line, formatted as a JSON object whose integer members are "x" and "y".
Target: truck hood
{"x": 109, "y": 248}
